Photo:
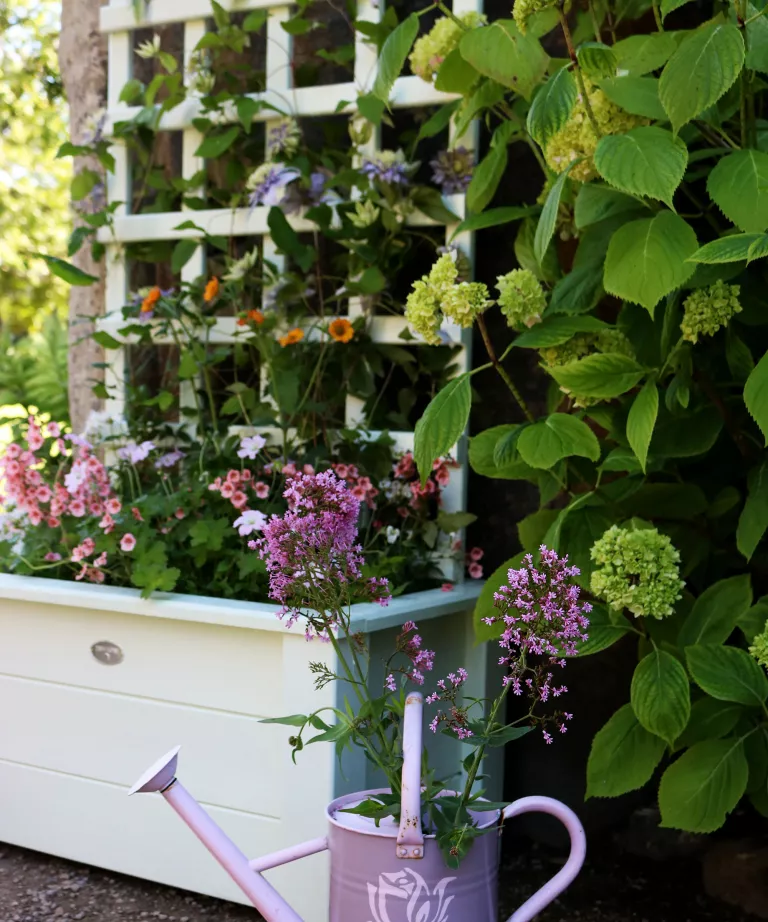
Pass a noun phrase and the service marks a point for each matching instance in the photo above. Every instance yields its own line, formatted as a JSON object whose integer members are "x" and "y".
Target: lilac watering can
{"x": 384, "y": 874}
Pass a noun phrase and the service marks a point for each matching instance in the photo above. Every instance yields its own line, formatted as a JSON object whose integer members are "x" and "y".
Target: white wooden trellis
{"x": 119, "y": 20}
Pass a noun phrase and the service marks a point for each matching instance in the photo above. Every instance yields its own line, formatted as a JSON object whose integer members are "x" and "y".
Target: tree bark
{"x": 83, "y": 62}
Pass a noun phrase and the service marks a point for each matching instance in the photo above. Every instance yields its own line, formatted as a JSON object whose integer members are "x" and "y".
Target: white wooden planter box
{"x": 76, "y": 733}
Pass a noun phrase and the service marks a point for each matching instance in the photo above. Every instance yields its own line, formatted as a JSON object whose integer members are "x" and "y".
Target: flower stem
{"x": 577, "y": 70}
{"x": 502, "y": 371}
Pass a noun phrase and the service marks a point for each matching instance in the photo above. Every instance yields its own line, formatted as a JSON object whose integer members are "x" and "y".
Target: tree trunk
{"x": 83, "y": 61}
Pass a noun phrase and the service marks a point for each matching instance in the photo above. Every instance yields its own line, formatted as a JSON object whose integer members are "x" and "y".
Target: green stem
{"x": 480, "y": 753}
{"x": 657, "y": 16}
{"x": 502, "y": 371}
{"x": 577, "y": 70}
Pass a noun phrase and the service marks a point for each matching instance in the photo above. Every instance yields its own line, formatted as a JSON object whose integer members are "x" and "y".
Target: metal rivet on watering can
{"x": 402, "y": 852}
{"x": 107, "y": 653}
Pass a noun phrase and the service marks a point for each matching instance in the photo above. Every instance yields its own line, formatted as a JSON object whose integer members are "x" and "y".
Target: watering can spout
{"x": 161, "y": 777}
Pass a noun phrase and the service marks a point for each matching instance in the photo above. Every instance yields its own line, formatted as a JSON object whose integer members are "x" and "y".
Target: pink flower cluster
{"x": 85, "y": 489}
{"x": 455, "y": 717}
{"x": 312, "y": 550}
{"x": 236, "y": 485}
{"x": 409, "y": 643}
{"x": 360, "y": 487}
{"x": 473, "y": 558}
{"x": 405, "y": 470}
{"x": 542, "y": 617}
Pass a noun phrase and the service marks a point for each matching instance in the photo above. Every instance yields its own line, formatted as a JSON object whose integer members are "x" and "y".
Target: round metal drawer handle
{"x": 107, "y": 653}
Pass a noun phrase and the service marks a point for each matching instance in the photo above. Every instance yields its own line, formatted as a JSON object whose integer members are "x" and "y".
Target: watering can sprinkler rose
{"x": 414, "y": 851}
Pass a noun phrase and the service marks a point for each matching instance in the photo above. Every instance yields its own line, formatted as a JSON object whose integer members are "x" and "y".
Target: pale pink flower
{"x": 127, "y": 543}
{"x": 475, "y": 570}
{"x": 77, "y": 508}
{"x": 261, "y": 489}
{"x": 113, "y": 505}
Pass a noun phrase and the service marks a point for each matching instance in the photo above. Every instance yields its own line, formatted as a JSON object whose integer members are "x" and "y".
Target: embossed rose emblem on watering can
{"x": 389, "y": 873}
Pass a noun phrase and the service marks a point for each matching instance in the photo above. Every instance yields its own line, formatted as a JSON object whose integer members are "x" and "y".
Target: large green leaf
{"x": 552, "y": 106}
{"x": 642, "y": 419}
{"x": 701, "y": 788}
{"x": 733, "y": 249}
{"x": 686, "y": 436}
{"x": 641, "y": 54}
{"x": 67, "y": 271}
{"x": 727, "y": 673}
{"x": 647, "y": 259}
{"x": 578, "y": 291}
{"x": 623, "y": 756}
{"x": 716, "y": 611}
{"x": 636, "y": 95}
{"x": 486, "y": 178}
{"x": 756, "y": 395}
{"x": 602, "y": 375}
{"x": 645, "y": 161}
{"x": 455, "y": 75}
{"x": 753, "y": 520}
{"x": 442, "y": 424}
{"x": 503, "y": 53}
{"x": 393, "y": 54}
{"x": 710, "y": 720}
{"x": 484, "y": 455}
{"x": 705, "y": 65}
{"x": 596, "y": 203}
{"x": 596, "y": 60}
{"x": 603, "y": 630}
{"x": 545, "y": 229}
{"x": 216, "y": 144}
{"x": 757, "y": 40}
{"x": 661, "y": 695}
{"x": 553, "y": 331}
{"x": 558, "y": 436}
{"x": 738, "y": 185}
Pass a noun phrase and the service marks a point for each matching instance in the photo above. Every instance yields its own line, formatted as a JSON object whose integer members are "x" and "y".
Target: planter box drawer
{"x": 222, "y": 668}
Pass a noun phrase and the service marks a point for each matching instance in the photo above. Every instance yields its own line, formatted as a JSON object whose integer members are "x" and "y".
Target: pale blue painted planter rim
{"x": 260, "y": 616}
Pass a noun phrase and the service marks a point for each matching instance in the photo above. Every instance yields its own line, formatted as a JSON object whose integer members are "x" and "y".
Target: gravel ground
{"x": 612, "y": 888}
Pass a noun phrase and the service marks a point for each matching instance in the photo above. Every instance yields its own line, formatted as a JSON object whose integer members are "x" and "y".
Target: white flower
{"x": 241, "y": 267}
{"x": 102, "y": 425}
{"x": 74, "y": 479}
{"x": 250, "y": 446}
{"x": 392, "y": 534}
{"x": 149, "y": 49}
{"x": 135, "y": 453}
{"x": 251, "y": 520}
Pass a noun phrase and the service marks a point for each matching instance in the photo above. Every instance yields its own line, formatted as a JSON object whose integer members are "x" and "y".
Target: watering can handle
{"x": 410, "y": 838}
{"x": 566, "y": 875}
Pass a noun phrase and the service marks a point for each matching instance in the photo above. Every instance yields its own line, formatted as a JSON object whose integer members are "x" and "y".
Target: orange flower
{"x": 256, "y": 317}
{"x": 148, "y": 304}
{"x": 291, "y": 337}
{"x": 341, "y": 330}
{"x": 211, "y": 290}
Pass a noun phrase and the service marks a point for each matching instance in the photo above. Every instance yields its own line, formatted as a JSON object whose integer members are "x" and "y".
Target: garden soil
{"x": 613, "y": 887}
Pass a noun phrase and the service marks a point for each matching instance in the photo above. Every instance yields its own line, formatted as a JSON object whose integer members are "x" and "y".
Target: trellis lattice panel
{"x": 199, "y": 671}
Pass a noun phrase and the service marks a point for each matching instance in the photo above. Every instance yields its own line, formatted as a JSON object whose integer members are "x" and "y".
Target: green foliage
{"x": 644, "y": 161}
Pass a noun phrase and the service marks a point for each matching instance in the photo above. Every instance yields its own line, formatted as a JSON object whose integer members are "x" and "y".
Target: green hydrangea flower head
{"x": 443, "y": 274}
{"x": 577, "y": 137}
{"x": 708, "y": 309}
{"x": 521, "y": 298}
{"x": 432, "y": 49}
{"x": 613, "y": 341}
{"x": 524, "y": 9}
{"x": 422, "y": 312}
{"x": 638, "y": 569}
{"x": 465, "y": 301}
{"x": 759, "y": 648}
{"x": 570, "y": 351}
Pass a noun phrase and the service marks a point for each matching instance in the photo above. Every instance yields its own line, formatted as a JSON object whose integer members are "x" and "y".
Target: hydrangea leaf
{"x": 604, "y": 632}
{"x": 702, "y": 69}
{"x": 442, "y": 424}
{"x": 624, "y": 755}
{"x": 636, "y": 95}
{"x": 645, "y": 161}
{"x": 669, "y": 6}
{"x": 732, "y": 249}
{"x": 710, "y": 720}
{"x": 756, "y": 395}
{"x": 603, "y": 375}
{"x": 738, "y": 185}
{"x": 641, "y": 54}
{"x": 701, "y": 788}
{"x": 753, "y": 520}
{"x": 486, "y": 178}
{"x": 500, "y": 51}
{"x": 558, "y": 436}
{"x": 553, "y": 331}
{"x": 661, "y": 695}
{"x": 727, "y": 673}
{"x": 641, "y": 421}
{"x": 485, "y": 455}
{"x": 596, "y": 203}
{"x": 647, "y": 259}
{"x": 545, "y": 229}
{"x": 552, "y": 106}
{"x": 757, "y": 40}
{"x": 597, "y": 60}
{"x": 716, "y": 611}
{"x": 577, "y": 292}
{"x": 393, "y": 54}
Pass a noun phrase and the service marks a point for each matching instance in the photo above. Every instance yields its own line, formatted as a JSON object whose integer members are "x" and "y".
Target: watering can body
{"x": 390, "y": 873}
